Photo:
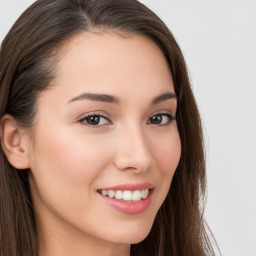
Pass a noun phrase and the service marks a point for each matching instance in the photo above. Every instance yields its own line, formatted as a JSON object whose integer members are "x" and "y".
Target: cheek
{"x": 167, "y": 152}
{"x": 65, "y": 166}
{"x": 71, "y": 156}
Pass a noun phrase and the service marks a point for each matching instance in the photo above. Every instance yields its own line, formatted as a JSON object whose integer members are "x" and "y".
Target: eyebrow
{"x": 164, "y": 97}
{"x": 96, "y": 97}
{"x": 113, "y": 99}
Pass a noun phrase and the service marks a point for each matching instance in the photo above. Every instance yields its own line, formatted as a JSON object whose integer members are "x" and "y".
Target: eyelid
{"x": 164, "y": 112}
{"x": 93, "y": 113}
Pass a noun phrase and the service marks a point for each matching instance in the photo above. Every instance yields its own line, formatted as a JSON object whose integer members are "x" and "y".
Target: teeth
{"x": 111, "y": 193}
{"x": 118, "y": 194}
{"x": 145, "y": 194}
{"x": 137, "y": 195}
{"x": 104, "y": 192}
{"x": 126, "y": 195}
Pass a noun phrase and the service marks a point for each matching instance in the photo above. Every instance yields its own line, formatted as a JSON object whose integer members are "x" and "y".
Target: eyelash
{"x": 85, "y": 119}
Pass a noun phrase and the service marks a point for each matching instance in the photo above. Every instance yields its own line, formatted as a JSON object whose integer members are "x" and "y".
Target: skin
{"x": 70, "y": 160}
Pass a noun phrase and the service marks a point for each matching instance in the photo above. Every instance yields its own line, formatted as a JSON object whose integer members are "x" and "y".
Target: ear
{"x": 13, "y": 143}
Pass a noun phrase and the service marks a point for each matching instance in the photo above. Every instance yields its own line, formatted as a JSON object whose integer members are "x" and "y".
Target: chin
{"x": 134, "y": 236}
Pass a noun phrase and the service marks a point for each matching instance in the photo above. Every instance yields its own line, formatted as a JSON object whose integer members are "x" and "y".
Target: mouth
{"x": 128, "y": 198}
{"x": 126, "y": 195}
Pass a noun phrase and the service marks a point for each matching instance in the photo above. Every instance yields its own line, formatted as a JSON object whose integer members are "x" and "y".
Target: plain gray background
{"x": 218, "y": 39}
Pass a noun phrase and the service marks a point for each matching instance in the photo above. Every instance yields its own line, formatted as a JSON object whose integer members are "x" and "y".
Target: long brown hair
{"x": 27, "y": 67}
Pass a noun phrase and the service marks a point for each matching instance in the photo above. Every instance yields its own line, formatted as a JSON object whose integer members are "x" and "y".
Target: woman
{"x": 101, "y": 141}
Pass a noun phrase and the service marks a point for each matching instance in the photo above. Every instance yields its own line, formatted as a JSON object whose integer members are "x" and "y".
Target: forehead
{"x": 112, "y": 64}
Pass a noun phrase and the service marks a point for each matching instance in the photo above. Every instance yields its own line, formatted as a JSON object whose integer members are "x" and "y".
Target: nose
{"x": 133, "y": 151}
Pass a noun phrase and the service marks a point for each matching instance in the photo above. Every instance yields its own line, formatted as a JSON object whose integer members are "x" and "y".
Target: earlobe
{"x": 13, "y": 143}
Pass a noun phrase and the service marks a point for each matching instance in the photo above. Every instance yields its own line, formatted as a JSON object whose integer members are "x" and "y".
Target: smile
{"x": 128, "y": 198}
{"x": 126, "y": 195}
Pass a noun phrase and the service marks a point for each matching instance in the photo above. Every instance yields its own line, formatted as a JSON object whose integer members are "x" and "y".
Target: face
{"x": 105, "y": 129}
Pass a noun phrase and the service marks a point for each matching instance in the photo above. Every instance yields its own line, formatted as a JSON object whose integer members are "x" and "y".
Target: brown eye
{"x": 161, "y": 119}
{"x": 94, "y": 120}
{"x": 156, "y": 119}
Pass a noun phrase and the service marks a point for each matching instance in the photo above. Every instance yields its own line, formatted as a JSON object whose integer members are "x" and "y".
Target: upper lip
{"x": 130, "y": 186}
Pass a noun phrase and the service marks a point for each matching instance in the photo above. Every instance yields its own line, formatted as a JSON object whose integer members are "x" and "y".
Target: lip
{"x": 129, "y": 207}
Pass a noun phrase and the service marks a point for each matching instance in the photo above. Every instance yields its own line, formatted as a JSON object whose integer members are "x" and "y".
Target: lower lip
{"x": 129, "y": 207}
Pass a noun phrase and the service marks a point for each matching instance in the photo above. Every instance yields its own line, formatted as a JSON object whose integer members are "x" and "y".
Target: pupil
{"x": 156, "y": 119}
{"x": 94, "y": 120}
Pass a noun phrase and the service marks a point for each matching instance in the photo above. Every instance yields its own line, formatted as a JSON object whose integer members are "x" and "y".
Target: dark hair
{"x": 27, "y": 59}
